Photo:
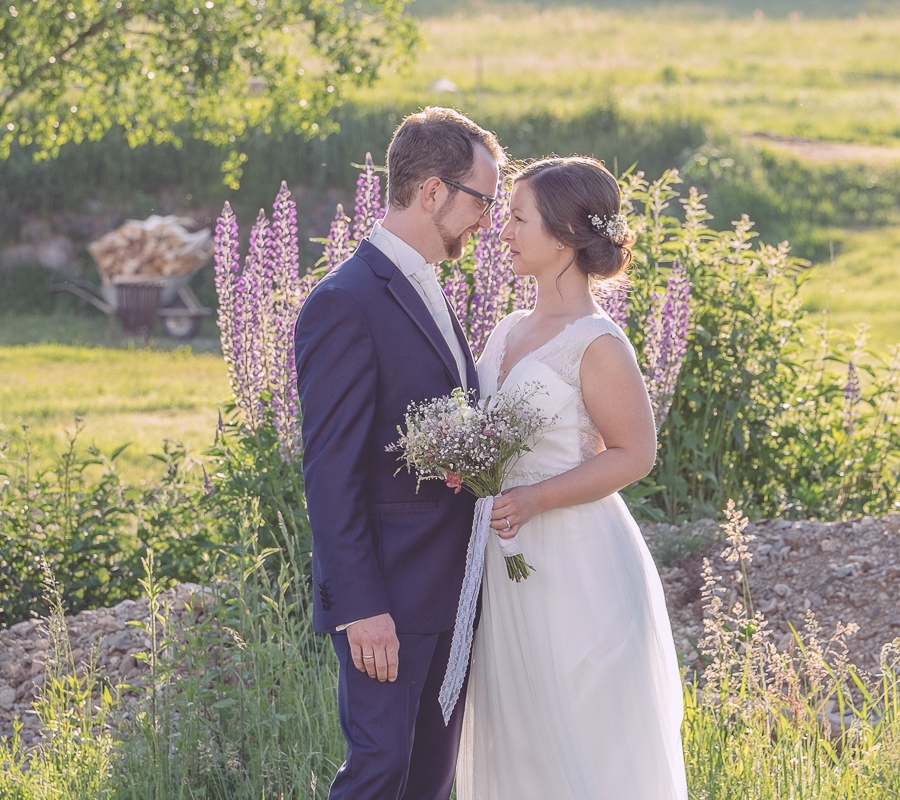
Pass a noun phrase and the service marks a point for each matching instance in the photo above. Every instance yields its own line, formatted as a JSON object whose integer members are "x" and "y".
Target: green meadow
{"x": 828, "y": 79}
{"x": 642, "y": 81}
{"x": 133, "y": 395}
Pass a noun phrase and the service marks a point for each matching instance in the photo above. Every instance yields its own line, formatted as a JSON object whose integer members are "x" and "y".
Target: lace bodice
{"x": 572, "y": 437}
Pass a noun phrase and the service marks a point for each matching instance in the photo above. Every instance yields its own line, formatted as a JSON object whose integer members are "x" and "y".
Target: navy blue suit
{"x": 366, "y": 346}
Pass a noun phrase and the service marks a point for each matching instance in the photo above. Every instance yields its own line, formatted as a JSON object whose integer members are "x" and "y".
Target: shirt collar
{"x": 406, "y": 258}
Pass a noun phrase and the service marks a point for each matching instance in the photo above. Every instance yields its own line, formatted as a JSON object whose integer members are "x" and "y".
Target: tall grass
{"x": 75, "y": 759}
{"x": 771, "y": 725}
{"x": 241, "y": 703}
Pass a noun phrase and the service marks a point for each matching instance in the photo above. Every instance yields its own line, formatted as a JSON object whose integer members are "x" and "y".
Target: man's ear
{"x": 429, "y": 194}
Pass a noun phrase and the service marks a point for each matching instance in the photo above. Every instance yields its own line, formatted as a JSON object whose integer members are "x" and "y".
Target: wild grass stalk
{"x": 771, "y": 725}
{"x": 74, "y": 760}
{"x": 242, "y": 703}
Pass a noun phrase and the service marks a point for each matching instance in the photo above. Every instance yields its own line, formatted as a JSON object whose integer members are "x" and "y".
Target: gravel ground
{"x": 844, "y": 571}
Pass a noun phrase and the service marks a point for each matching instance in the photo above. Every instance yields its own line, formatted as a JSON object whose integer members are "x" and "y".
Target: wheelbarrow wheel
{"x": 181, "y": 327}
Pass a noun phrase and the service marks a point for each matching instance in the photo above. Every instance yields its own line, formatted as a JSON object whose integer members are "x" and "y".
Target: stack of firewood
{"x": 158, "y": 247}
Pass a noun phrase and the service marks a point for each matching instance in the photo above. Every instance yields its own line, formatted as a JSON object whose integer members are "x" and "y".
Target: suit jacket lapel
{"x": 410, "y": 301}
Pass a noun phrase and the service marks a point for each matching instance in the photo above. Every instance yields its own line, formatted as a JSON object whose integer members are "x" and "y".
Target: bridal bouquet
{"x": 473, "y": 446}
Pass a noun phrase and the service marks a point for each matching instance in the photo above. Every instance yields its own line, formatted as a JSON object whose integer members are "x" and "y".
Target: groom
{"x": 388, "y": 561}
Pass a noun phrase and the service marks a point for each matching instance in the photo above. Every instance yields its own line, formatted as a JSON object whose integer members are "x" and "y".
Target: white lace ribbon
{"x": 465, "y": 612}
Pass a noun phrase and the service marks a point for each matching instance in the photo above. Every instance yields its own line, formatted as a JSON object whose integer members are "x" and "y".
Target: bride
{"x": 575, "y": 691}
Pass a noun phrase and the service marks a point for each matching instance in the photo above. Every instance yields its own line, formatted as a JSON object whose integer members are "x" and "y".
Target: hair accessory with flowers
{"x": 615, "y": 228}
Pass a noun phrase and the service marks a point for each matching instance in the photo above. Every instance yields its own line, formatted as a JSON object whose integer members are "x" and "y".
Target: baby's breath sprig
{"x": 472, "y": 444}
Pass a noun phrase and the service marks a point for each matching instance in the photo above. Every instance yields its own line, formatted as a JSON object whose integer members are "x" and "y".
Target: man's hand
{"x": 374, "y": 647}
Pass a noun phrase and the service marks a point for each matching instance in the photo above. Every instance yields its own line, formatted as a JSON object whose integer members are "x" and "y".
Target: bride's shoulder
{"x": 513, "y": 316}
{"x": 599, "y": 324}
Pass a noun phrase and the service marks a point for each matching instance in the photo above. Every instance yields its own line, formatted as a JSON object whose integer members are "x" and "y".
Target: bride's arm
{"x": 616, "y": 398}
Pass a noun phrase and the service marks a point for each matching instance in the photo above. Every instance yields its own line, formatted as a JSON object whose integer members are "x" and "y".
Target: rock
{"x": 7, "y": 698}
{"x": 23, "y": 628}
{"x": 781, "y": 589}
{"x": 843, "y": 572}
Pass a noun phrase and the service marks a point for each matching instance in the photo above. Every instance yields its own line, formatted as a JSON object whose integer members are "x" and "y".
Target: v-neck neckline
{"x": 530, "y": 353}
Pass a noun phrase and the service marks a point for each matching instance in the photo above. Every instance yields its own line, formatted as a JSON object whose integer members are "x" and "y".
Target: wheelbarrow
{"x": 146, "y": 267}
{"x": 138, "y": 304}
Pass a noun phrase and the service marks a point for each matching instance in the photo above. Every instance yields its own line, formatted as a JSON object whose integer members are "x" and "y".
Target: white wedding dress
{"x": 574, "y": 689}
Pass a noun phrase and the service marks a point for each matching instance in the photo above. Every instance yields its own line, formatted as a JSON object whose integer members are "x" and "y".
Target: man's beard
{"x": 453, "y": 245}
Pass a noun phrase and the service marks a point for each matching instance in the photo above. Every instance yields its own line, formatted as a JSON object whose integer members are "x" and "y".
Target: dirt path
{"x": 812, "y": 150}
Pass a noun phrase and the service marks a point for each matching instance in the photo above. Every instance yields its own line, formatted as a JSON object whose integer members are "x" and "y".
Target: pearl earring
{"x": 560, "y": 246}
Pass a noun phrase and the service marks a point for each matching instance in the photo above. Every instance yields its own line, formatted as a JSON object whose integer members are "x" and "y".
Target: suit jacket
{"x": 366, "y": 346}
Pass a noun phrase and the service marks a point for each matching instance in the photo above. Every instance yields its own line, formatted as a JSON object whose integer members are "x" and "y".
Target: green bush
{"x": 92, "y": 530}
{"x": 790, "y": 199}
{"x": 248, "y": 470}
{"x": 759, "y": 413}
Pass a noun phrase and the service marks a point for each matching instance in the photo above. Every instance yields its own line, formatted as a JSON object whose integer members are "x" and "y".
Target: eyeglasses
{"x": 486, "y": 199}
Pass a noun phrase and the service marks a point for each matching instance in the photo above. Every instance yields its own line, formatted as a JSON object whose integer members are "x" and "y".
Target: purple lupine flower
{"x": 367, "y": 208}
{"x": 283, "y": 253}
{"x": 524, "y": 293}
{"x": 492, "y": 277}
{"x": 665, "y": 341}
{"x": 337, "y": 245}
{"x": 227, "y": 271}
{"x": 615, "y": 303}
{"x": 852, "y": 398}
{"x": 250, "y": 361}
{"x": 456, "y": 287}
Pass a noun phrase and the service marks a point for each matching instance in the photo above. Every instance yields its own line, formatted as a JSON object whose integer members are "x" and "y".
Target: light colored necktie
{"x": 426, "y": 278}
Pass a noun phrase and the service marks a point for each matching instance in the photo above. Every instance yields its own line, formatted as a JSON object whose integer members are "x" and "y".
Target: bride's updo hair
{"x": 577, "y": 199}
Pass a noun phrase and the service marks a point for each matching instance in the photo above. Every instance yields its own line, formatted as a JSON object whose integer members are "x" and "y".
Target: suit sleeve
{"x": 337, "y": 381}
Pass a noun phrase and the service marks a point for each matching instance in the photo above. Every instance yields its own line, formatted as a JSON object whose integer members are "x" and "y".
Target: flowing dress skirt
{"x": 575, "y": 691}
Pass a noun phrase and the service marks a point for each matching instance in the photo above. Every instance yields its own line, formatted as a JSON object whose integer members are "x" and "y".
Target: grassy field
{"x": 714, "y": 65}
{"x": 832, "y": 79}
{"x": 136, "y": 394}
{"x": 859, "y": 286}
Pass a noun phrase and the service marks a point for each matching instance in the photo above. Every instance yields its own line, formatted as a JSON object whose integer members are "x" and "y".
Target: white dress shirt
{"x": 414, "y": 266}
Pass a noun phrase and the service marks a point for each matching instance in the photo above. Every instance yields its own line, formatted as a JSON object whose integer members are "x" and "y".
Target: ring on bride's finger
{"x": 508, "y": 526}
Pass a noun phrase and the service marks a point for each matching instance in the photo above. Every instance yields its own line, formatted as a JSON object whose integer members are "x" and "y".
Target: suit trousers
{"x": 398, "y": 747}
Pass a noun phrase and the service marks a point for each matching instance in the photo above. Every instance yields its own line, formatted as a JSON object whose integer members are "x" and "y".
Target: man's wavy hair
{"x": 436, "y": 142}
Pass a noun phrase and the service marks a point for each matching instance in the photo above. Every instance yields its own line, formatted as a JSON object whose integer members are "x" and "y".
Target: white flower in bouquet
{"x": 473, "y": 445}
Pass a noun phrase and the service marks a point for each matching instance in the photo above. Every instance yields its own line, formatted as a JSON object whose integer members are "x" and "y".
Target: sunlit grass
{"x": 140, "y": 396}
{"x": 859, "y": 286}
{"x": 836, "y": 79}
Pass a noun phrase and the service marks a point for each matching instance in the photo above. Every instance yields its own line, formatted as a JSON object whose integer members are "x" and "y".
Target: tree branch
{"x": 36, "y": 73}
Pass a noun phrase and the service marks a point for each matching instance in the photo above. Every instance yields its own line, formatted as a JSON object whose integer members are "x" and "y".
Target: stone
{"x": 844, "y": 572}
{"x": 22, "y": 628}
{"x": 782, "y": 589}
{"x": 7, "y": 698}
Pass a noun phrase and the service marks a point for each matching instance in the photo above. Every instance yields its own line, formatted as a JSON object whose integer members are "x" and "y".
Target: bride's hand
{"x": 513, "y": 509}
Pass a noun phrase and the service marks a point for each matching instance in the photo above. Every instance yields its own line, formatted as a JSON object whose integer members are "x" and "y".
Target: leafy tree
{"x": 163, "y": 69}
